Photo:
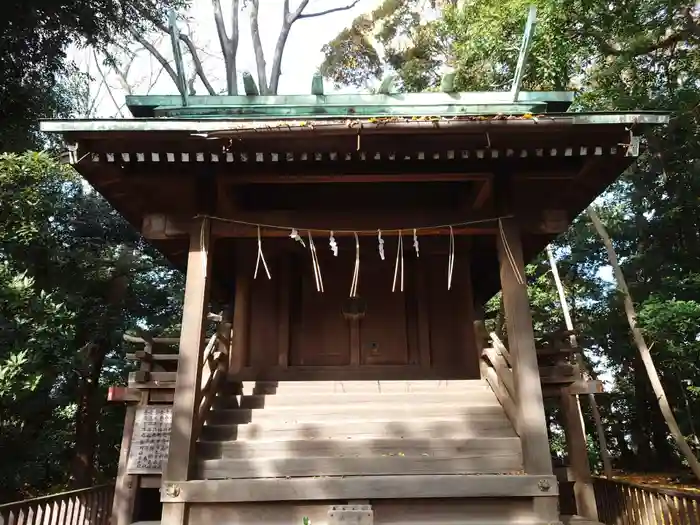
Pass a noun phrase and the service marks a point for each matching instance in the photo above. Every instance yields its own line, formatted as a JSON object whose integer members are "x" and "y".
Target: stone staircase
{"x": 356, "y": 428}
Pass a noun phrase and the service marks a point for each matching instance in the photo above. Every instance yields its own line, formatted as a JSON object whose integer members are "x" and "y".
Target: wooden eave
{"x": 181, "y": 167}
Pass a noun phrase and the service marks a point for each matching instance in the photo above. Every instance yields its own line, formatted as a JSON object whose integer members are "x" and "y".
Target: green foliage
{"x": 73, "y": 277}
{"x": 37, "y": 78}
{"x": 391, "y": 38}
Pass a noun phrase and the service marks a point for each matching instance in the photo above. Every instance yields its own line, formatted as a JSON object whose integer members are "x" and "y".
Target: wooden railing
{"x": 625, "y": 503}
{"x": 496, "y": 370}
{"x": 557, "y": 365}
{"x": 159, "y": 368}
{"x": 91, "y": 506}
{"x": 214, "y": 370}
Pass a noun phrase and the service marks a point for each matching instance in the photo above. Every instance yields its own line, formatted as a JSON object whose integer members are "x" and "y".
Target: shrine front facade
{"x": 339, "y": 252}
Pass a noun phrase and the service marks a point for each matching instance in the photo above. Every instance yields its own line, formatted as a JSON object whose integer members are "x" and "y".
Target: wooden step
{"x": 397, "y": 411}
{"x": 358, "y": 448}
{"x": 262, "y": 387}
{"x": 495, "y": 424}
{"x": 480, "y": 459}
{"x": 480, "y": 397}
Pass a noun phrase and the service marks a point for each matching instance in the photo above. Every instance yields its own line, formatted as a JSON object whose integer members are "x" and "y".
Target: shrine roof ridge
{"x": 342, "y": 105}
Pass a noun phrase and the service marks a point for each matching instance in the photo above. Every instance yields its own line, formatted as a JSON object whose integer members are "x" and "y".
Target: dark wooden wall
{"x": 426, "y": 330}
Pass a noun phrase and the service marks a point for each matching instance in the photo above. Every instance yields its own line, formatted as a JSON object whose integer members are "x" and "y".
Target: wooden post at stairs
{"x": 188, "y": 376}
{"x": 531, "y": 421}
{"x": 578, "y": 456}
{"x": 125, "y": 487}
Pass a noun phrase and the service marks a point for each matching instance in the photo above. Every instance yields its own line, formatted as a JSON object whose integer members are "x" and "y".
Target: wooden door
{"x": 323, "y": 336}
{"x": 383, "y": 338}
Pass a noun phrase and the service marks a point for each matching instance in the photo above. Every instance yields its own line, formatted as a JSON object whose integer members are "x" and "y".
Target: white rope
{"x": 356, "y": 273}
{"x": 380, "y": 246}
{"x": 333, "y": 244}
{"x": 399, "y": 255}
{"x": 314, "y": 262}
{"x": 509, "y": 254}
{"x": 415, "y": 243}
{"x": 294, "y": 235}
{"x": 261, "y": 257}
{"x": 203, "y": 244}
{"x": 451, "y": 259}
{"x": 295, "y": 230}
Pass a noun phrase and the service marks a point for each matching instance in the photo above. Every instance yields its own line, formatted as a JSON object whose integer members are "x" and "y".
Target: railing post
{"x": 577, "y": 452}
{"x": 531, "y": 421}
{"x": 188, "y": 376}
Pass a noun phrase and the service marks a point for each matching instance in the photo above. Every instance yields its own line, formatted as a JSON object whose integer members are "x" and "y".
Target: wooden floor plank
{"x": 367, "y": 410}
{"x": 482, "y": 397}
{"x": 361, "y": 487}
{"x": 358, "y": 448}
{"x": 483, "y": 461}
{"x": 443, "y": 427}
{"x": 394, "y": 386}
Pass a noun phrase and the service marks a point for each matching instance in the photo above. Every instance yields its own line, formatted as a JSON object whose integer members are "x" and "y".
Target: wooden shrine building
{"x": 339, "y": 250}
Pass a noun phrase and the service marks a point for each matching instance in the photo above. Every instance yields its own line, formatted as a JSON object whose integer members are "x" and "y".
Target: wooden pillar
{"x": 531, "y": 422}
{"x": 126, "y": 486}
{"x": 577, "y": 452}
{"x": 188, "y": 378}
{"x": 241, "y": 323}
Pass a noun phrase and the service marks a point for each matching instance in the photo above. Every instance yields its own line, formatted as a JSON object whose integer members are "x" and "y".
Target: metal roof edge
{"x": 234, "y": 125}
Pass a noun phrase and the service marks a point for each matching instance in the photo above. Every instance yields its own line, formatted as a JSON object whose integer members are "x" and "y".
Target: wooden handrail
{"x": 89, "y": 506}
{"x": 629, "y": 503}
{"x": 658, "y": 490}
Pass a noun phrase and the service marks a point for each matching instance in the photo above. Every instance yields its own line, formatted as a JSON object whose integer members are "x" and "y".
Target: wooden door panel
{"x": 321, "y": 335}
{"x": 383, "y": 330}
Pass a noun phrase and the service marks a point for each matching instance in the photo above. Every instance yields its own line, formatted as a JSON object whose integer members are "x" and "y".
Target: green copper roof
{"x": 253, "y": 107}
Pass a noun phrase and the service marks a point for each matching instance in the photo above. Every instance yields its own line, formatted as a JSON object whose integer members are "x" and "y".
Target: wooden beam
{"x": 161, "y": 226}
{"x": 577, "y": 451}
{"x": 481, "y": 194}
{"x": 284, "y": 307}
{"x": 122, "y": 394}
{"x": 124, "y": 487}
{"x": 496, "y": 384}
{"x": 154, "y": 340}
{"x": 283, "y": 178}
{"x": 359, "y": 487}
{"x": 154, "y": 380}
{"x": 579, "y": 387}
{"x": 532, "y": 423}
{"x": 241, "y": 323}
{"x": 185, "y": 398}
{"x": 139, "y": 356}
{"x": 500, "y": 365}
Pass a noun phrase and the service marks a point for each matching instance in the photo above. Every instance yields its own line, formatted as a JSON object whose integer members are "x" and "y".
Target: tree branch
{"x": 287, "y": 20}
{"x": 288, "y": 17}
{"x": 229, "y": 45}
{"x": 690, "y": 28}
{"x": 104, "y": 79}
{"x": 157, "y": 55}
{"x": 327, "y": 11}
{"x": 220, "y": 26}
{"x": 199, "y": 68}
{"x": 258, "y": 48}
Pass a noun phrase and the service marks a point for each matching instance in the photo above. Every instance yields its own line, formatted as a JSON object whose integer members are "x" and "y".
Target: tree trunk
{"x": 604, "y": 452}
{"x": 643, "y": 348}
{"x": 641, "y": 425}
{"x": 86, "y": 417}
